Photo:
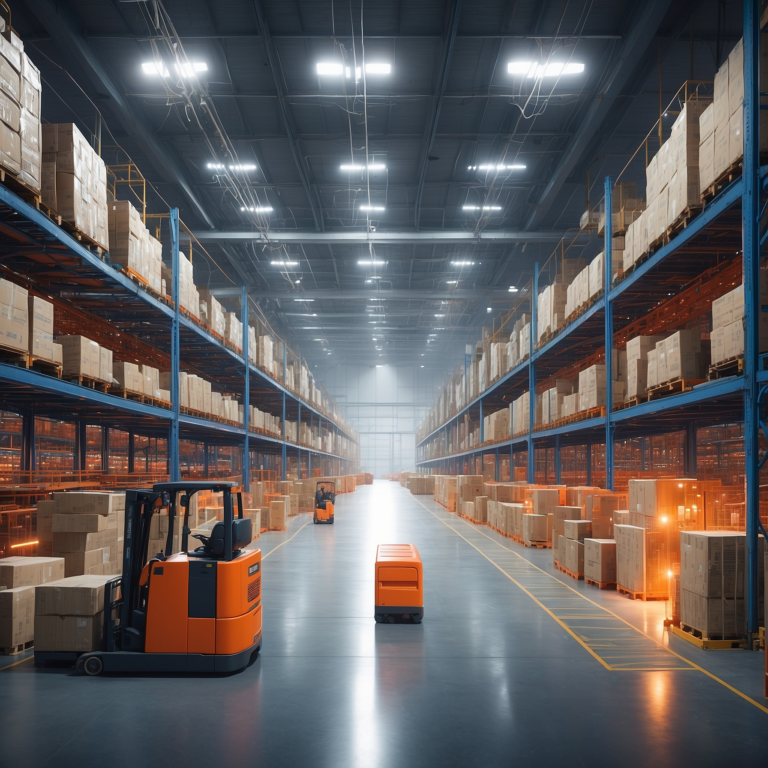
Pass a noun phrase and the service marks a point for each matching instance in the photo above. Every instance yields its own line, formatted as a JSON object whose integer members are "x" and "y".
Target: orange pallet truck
{"x": 190, "y": 611}
{"x": 325, "y": 501}
{"x": 399, "y": 583}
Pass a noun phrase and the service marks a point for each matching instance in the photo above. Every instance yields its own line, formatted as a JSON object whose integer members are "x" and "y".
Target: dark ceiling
{"x": 448, "y": 105}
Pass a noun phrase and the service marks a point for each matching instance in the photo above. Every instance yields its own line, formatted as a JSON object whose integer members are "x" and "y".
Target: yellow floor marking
{"x": 578, "y": 594}
{"x": 283, "y": 543}
{"x": 16, "y": 663}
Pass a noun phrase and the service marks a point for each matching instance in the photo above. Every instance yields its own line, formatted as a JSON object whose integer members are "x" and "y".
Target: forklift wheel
{"x": 79, "y": 665}
{"x": 331, "y": 520}
{"x": 93, "y": 665}
{"x": 416, "y": 618}
{"x": 315, "y": 519}
{"x": 379, "y": 618}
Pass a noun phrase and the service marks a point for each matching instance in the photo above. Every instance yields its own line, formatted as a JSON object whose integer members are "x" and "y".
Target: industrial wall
{"x": 385, "y": 405}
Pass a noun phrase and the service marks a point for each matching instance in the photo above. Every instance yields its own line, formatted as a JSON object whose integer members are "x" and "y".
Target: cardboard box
{"x": 69, "y": 633}
{"x": 17, "y": 616}
{"x": 630, "y": 557}
{"x": 81, "y": 356}
{"x": 69, "y": 541}
{"x": 707, "y": 161}
{"x": 574, "y": 556}
{"x": 577, "y": 529}
{"x": 713, "y": 617}
{"x": 88, "y": 502}
{"x": 600, "y": 560}
{"x": 534, "y": 528}
{"x": 79, "y": 563}
{"x": 74, "y": 596}
{"x": 278, "y": 515}
{"x": 20, "y": 571}
{"x": 74, "y": 523}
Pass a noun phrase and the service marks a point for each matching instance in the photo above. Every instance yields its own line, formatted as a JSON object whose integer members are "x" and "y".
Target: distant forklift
{"x": 325, "y": 498}
{"x": 197, "y": 611}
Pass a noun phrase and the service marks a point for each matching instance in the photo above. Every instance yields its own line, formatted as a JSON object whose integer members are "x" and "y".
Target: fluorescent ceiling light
{"x": 285, "y": 263}
{"x": 461, "y": 264}
{"x": 257, "y": 208}
{"x": 489, "y": 167}
{"x": 354, "y": 167}
{"x": 378, "y": 68}
{"x": 303, "y": 299}
{"x": 451, "y": 282}
{"x": 533, "y": 69}
{"x": 439, "y": 315}
{"x": 241, "y": 167}
{"x": 329, "y": 68}
{"x": 187, "y": 69}
{"x": 372, "y": 208}
{"x": 512, "y": 289}
{"x": 481, "y": 207}
{"x": 488, "y": 309}
{"x": 379, "y": 366}
{"x": 371, "y": 263}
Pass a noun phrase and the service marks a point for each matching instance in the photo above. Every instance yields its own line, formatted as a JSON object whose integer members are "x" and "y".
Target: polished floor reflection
{"x": 496, "y": 675}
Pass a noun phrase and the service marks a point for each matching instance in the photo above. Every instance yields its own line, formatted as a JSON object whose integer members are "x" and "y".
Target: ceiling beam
{"x": 639, "y": 37}
{"x": 274, "y": 67}
{"x": 429, "y": 135}
{"x": 416, "y": 294}
{"x": 73, "y": 45}
{"x": 434, "y": 237}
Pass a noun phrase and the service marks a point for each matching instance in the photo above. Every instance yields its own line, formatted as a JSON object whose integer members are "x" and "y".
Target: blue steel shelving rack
{"x": 738, "y": 209}
{"x": 36, "y": 247}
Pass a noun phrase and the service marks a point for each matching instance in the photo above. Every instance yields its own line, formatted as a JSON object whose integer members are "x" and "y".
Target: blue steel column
{"x": 173, "y": 441}
{"x": 558, "y": 465}
{"x": 532, "y": 375}
{"x": 284, "y": 453}
{"x": 607, "y": 261}
{"x": 482, "y": 429}
{"x": 246, "y": 393}
{"x": 750, "y": 208}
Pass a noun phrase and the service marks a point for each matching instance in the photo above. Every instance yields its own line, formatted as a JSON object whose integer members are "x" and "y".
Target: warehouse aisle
{"x": 506, "y": 668}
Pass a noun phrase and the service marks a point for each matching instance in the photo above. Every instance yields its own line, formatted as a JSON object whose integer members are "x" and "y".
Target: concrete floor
{"x": 513, "y": 664}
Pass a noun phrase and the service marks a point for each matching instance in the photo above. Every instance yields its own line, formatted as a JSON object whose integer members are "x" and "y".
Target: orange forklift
{"x": 189, "y": 611}
{"x": 325, "y": 498}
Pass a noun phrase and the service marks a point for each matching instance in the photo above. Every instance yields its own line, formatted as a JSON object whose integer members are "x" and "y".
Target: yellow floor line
{"x": 283, "y": 543}
{"x": 567, "y": 629}
{"x": 16, "y": 663}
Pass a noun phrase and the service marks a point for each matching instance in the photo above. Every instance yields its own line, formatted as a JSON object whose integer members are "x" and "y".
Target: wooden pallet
{"x": 630, "y": 403}
{"x": 600, "y": 584}
{"x": 572, "y": 574}
{"x": 683, "y": 220}
{"x": 127, "y": 394}
{"x": 592, "y": 413}
{"x": 697, "y": 638}
{"x": 73, "y": 230}
{"x": 12, "y": 356}
{"x": 723, "y": 180}
{"x": 88, "y": 381}
{"x": 676, "y": 387}
{"x": 733, "y": 366}
{"x": 14, "y": 650}
{"x": 537, "y": 544}
{"x": 20, "y": 187}
{"x": 638, "y": 595}
{"x": 471, "y": 519}
{"x": 45, "y": 366}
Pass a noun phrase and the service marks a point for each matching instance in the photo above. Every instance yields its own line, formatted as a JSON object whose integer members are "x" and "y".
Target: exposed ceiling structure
{"x": 379, "y": 174}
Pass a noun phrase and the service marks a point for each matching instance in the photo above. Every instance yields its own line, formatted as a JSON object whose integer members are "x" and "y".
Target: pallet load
{"x": 727, "y": 335}
{"x": 575, "y": 531}
{"x": 600, "y": 509}
{"x": 552, "y": 401}
{"x": 600, "y": 562}
{"x": 212, "y": 314}
{"x": 233, "y": 331}
{"x": 678, "y": 357}
{"x": 74, "y": 181}
{"x": 421, "y": 486}
{"x": 593, "y": 390}
{"x": 446, "y": 491}
{"x": 637, "y": 364}
{"x": 84, "y": 359}
{"x": 713, "y": 583}
{"x": 278, "y": 515}
{"x": 20, "y": 92}
{"x": 520, "y": 408}
{"x": 131, "y": 246}
{"x": 535, "y": 530}
{"x": 559, "y": 516}
{"x": 69, "y": 614}
{"x": 19, "y": 579}
{"x": 14, "y": 317}
{"x": 128, "y": 377}
{"x": 496, "y": 425}
{"x": 87, "y": 529}
{"x": 40, "y": 330}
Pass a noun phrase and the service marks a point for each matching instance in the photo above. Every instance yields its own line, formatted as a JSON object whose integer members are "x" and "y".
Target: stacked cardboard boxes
{"x": 14, "y": 316}
{"x": 212, "y": 314}
{"x": 600, "y": 560}
{"x": 74, "y": 181}
{"x": 574, "y": 533}
{"x": 681, "y": 355}
{"x": 83, "y": 357}
{"x": 637, "y": 364}
{"x": 41, "y": 343}
{"x": 132, "y": 246}
{"x": 87, "y": 531}
{"x": 727, "y": 337}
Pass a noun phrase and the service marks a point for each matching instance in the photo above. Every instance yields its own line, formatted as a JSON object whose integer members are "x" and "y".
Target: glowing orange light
{"x": 670, "y": 574}
{"x": 25, "y": 544}
{"x": 663, "y": 519}
{"x": 679, "y": 485}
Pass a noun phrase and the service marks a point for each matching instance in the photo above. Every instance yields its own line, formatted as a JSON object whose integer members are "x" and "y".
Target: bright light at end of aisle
{"x": 371, "y": 263}
{"x": 512, "y": 289}
{"x": 461, "y": 264}
{"x": 532, "y": 69}
{"x": 187, "y": 69}
{"x": 285, "y": 263}
{"x": 257, "y": 208}
{"x": 481, "y": 207}
{"x": 372, "y": 208}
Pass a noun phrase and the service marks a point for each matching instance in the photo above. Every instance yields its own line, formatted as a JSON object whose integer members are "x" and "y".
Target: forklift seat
{"x": 242, "y": 535}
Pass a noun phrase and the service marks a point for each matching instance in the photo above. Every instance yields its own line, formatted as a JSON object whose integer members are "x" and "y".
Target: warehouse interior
{"x": 388, "y": 379}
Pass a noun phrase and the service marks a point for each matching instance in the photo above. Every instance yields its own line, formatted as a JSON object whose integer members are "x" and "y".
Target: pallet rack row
{"x": 36, "y": 248}
{"x": 730, "y": 225}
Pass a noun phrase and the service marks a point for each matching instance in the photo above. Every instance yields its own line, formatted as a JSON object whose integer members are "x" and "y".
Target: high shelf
{"x": 709, "y": 242}
{"x": 39, "y": 254}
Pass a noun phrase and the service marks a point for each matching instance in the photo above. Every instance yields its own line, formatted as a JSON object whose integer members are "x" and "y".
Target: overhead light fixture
{"x": 481, "y": 207}
{"x": 461, "y": 264}
{"x": 451, "y": 282}
{"x": 513, "y": 167}
{"x": 353, "y": 167}
{"x": 439, "y": 315}
{"x": 488, "y": 309}
{"x": 512, "y": 289}
{"x": 240, "y": 167}
{"x": 532, "y": 69}
{"x": 303, "y": 299}
{"x": 379, "y": 366}
{"x": 371, "y": 263}
{"x": 378, "y": 68}
{"x": 433, "y": 334}
{"x": 329, "y": 68}
{"x": 336, "y": 69}
{"x": 285, "y": 263}
{"x": 372, "y": 208}
{"x": 186, "y": 69}
{"x": 257, "y": 208}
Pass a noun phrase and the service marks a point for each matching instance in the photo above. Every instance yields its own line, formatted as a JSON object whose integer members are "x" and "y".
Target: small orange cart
{"x": 399, "y": 583}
